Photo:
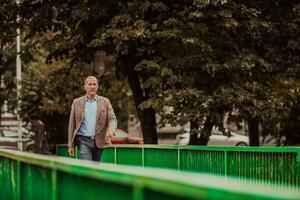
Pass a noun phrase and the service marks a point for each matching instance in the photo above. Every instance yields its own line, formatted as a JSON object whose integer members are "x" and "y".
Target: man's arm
{"x": 71, "y": 126}
{"x": 111, "y": 118}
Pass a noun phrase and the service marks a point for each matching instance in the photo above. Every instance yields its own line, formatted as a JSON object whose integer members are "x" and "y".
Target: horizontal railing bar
{"x": 215, "y": 148}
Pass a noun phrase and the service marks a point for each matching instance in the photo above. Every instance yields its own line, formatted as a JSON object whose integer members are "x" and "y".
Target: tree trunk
{"x": 291, "y": 127}
{"x": 146, "y": 116}
{"x": 203, "y": 137}
{"x": 253, "y": 131}
{"x": 194, "y": 134}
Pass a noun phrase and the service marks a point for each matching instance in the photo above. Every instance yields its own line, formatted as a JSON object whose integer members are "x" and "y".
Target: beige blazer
{"x": 106, "y": 120}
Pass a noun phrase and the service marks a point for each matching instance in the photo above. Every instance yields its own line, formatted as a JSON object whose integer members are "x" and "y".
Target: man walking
{"x": 92, "y": 122}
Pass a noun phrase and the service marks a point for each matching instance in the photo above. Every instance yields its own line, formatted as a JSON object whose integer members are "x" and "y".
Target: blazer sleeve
{"x": 71, "y": 128}
{"x": 111, "y": 118}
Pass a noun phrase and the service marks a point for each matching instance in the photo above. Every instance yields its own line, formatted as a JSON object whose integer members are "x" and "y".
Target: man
{"x": 92, "y": 122}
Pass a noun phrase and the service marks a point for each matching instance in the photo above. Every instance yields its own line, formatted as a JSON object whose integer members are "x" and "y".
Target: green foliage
{"x": 7, "y": 50}
{"x": 199, "y": 58}
{"x": 49, "y": 89}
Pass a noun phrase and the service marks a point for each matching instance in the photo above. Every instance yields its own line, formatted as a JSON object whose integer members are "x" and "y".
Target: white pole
{"x": 19, "y": 78}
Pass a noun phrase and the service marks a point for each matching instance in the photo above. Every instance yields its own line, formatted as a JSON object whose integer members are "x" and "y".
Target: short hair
{"x": 90, "y": 77}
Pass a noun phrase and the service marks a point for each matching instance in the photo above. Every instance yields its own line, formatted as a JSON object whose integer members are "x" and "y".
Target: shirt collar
{"x": 94, "y": 99}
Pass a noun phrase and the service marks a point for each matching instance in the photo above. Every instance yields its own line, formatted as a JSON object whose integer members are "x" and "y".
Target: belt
{"x": 88, "y": 137}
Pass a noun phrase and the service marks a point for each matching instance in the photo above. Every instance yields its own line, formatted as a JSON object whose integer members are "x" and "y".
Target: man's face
{"x": 91, "y": 86}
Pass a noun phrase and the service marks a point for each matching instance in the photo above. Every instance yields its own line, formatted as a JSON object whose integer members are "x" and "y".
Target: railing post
{"x": 138, "y": 193}
{"x": 54, "y": 184}
{"x": 225, "y": 163}
{"x": 143, "y": 156}
{"x": 298, "y": 166}
{"x": 115, "y": 153}
{"x": 178, "y": 158}
{"x": 18, "y": 179}
{"x": 76, "y": 152}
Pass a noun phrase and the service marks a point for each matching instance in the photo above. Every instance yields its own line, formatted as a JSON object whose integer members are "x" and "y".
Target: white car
{"x": 217, "y": 138}
{"x": 9, "y": 139}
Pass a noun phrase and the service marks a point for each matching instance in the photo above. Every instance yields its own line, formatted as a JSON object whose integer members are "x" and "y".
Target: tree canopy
{"x": 200, "y": 58}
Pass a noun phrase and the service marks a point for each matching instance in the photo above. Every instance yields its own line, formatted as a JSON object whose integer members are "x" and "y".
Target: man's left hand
{"x": 110, "y": 133}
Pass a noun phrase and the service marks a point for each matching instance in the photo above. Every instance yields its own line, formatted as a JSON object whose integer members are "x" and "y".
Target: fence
{"x": 29, "y": 176}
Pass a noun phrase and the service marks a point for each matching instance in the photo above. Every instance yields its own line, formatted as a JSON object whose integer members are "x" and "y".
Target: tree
{"x": 235, "y": 64}
{"x": 85, "y": 27}
{"x": 48, "y": 91}
{"x": 251, "y": 73}
{"x": 201, "y": 58}
{"x": 7, "y": 57}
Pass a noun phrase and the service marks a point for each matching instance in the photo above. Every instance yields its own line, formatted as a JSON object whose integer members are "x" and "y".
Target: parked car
{"x": 272, "y": 140}
{"x": 217, "y": 138}
{"x": 9, "y": 139}
{"x": 121, "y": 137}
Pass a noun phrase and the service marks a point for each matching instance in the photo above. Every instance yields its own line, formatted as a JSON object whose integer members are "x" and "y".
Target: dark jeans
{"x": 88, "y": 149}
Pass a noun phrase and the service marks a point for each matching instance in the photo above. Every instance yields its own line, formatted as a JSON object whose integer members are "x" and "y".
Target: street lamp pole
{"x": 19, "y": 79}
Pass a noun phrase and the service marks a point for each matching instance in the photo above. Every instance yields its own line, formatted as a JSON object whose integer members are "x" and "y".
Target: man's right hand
{"x": 71, "y": 151}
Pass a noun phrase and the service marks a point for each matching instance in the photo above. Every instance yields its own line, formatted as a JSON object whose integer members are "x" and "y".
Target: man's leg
{"x": 96, "y": 153}
{"x": 85, "y": 148}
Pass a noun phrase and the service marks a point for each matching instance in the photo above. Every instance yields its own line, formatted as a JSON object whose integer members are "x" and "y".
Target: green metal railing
{"x": 278, "y": 165}
{"x": 30, "y": 176}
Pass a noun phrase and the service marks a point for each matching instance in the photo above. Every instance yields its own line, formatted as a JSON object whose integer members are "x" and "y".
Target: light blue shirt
{"x": 88, "y": 125}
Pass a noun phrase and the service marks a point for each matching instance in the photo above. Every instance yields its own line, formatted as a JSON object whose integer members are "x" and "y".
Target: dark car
{"x": 121, "y": 137}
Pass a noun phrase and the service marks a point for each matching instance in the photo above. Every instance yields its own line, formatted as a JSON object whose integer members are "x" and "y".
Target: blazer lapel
{"x": 81, "y": 107}
{"x": 100, "y": 106}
